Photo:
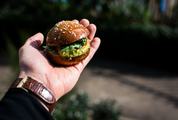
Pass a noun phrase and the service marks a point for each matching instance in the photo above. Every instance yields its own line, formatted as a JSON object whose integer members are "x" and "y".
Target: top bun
{"x": 66, "y": 32}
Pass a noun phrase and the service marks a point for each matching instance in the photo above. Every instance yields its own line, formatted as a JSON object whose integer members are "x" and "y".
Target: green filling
{"x": 74, "y": 50}
{"x": 51, "y": 49}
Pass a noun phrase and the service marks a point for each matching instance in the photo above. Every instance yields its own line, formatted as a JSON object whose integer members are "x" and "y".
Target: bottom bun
{"x": 58, "y": 60}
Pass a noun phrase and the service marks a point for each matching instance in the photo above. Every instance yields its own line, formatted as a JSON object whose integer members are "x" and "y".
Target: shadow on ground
{"x": 133, "y": 68}
{"x": 118, "y": 69}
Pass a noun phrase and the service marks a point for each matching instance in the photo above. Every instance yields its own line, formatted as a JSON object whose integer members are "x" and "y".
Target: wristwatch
{"x": 38, "y": 90}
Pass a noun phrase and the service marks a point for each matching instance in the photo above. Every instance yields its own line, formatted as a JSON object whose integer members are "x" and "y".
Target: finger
{"x": 94, "y": 47}
{"x": 75, "y": 21}
{"x": 95, "y": 43}
{"x": 36, "y": 40}
{"x": 85, "y": 22}
{"x": 92, "y": 29}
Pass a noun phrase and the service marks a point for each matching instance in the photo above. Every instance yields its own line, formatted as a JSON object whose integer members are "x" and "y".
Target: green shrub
{"x": 106, "y": 110}
{"x": 73, "y": 108}
{"x": 77, "y": 107}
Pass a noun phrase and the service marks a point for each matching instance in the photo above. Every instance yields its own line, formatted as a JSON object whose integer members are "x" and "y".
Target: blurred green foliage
{"x": 106, "y": 110}
{"x": 22, "y": 18}
{"x": 40, "y": 15}
{"x": 74, "y": 107}
{"x": 77, "y": 107}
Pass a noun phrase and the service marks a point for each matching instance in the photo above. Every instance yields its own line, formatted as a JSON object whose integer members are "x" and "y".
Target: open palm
{"x": 59, "y": 80}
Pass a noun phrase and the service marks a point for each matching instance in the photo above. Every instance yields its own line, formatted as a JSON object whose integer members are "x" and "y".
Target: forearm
{"x": 18, "y": 104}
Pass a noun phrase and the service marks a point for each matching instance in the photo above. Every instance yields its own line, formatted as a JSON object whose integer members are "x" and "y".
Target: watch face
{"x": 47, "y": 95}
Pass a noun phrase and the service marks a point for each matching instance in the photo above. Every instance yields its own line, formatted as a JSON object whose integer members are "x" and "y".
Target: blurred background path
{"x": 141, "y": 93}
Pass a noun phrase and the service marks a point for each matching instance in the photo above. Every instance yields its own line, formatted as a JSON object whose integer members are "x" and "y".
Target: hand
{"x": 59, "y": 80}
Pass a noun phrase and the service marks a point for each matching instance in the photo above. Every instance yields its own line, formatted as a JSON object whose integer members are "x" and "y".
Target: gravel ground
{"x": 7, "y": 76}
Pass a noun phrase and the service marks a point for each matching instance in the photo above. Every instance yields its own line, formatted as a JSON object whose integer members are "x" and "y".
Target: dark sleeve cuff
{"x": 18, "y": 104}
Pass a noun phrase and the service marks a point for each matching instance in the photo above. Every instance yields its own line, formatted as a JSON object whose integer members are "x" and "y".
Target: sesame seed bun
{"x": 66, "y": 32}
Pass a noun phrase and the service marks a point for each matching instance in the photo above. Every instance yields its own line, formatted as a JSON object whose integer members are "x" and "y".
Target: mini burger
{"x": 67, "y": 43}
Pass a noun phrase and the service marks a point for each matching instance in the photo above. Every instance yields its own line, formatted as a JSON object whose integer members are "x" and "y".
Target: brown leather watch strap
{"x": 37, "y": 89}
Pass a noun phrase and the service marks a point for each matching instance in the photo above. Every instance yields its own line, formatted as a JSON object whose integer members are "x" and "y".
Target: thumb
{"x": 35, "y": 40}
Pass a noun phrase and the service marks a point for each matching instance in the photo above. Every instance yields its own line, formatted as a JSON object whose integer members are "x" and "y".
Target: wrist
{"x": 38, "y": 90}
{"x": 37, "y": 77}
{"x": 50, "y": 81}
{"x": 22, "y": 74}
